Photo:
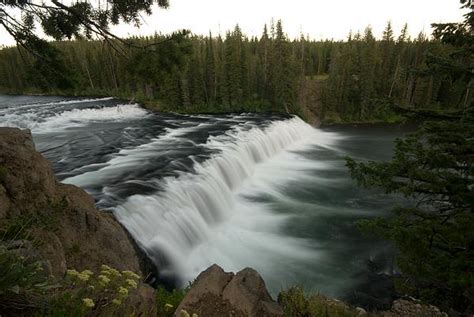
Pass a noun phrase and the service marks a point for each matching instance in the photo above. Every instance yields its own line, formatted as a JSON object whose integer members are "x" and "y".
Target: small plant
{"x": 168, "y": 301}
{"x": 18, "y": 227}
{"x": 18, "y": 276}
{"x": 22, "y": 283}
{"x": 84, "y": 292}
{"x": 296, "y": 303}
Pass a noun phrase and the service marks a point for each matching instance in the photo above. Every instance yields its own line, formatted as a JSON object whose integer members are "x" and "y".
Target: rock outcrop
{"x": 219, "y": 293}
{"x": 411, "y": 307}
{"x": 60, "y": 220}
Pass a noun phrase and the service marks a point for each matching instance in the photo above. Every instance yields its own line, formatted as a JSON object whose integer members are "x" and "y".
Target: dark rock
{"x": 219, "y": 293}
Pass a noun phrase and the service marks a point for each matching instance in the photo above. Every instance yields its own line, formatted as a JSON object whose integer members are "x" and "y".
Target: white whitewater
{"x": 127, "y": 159}
{"x": 42, "y": 118}
{"x": 206, "y": 217}
{"x": 54, "y": 104}
{"x": 77, "y": 117}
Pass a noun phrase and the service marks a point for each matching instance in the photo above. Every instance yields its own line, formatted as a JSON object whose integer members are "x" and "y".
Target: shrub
{"x": 168, "y": 301}
{"x": 84, "y": 292}
{"x": 296, "y": 303}
{"x": 18, "y": 276}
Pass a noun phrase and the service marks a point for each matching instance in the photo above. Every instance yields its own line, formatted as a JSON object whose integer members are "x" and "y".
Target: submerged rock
{"x": 219, "y": 293}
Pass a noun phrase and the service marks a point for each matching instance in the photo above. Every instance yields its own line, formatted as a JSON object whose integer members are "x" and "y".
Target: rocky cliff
{"x": 57, "y": 224}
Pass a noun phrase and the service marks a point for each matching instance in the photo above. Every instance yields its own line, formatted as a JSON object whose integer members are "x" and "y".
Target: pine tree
{"x": 433, "y": 168}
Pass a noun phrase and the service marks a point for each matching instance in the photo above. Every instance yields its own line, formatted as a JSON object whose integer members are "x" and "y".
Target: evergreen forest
{"x": 361, "y": 79}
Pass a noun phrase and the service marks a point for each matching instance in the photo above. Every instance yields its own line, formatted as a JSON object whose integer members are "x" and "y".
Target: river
{"x": 264, "y": 191}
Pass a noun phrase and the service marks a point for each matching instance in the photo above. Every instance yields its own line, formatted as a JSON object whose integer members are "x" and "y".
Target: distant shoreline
{"x": 153, "y": 105}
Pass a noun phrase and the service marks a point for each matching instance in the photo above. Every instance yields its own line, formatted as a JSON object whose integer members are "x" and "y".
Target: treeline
{"x": 353, "y": 80}
{"x": 366, "y": 75}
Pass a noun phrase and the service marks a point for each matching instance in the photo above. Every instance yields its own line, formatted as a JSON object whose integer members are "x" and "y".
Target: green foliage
{"x": 168, "y": 301}
{"x": 433, "y": 168}
{"x": 25, "y": 288}
{"x": 49, "y": 72}
{"x": 332, "y": 117}
{"x": 183, "y": 74}
{"x": 72, "y": 20}
{"x": 64, "y": 304}
{"x": 296, "y": 303}
{"x": 19, "y": 276}
{"x": 363, "y": 77}
{"x": 84, "y": 292}
{"x": 458, "y": 34}
{"x": 18, "y": 227}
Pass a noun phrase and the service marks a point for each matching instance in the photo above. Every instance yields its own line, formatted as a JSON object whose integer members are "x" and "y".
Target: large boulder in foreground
{"x": 60, "y": 220}
{"x": 218, "y": 293}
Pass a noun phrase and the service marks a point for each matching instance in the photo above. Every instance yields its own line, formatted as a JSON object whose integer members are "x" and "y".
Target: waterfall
{"x": 239, "y": 190}
{"x": 202, "y": 218}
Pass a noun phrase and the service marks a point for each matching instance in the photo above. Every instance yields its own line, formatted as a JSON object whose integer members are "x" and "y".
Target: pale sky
{"x": 321, "y": 19}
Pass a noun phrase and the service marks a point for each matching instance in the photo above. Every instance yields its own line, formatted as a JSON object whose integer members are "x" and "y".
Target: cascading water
{"x": 49, "y": 120}
{"x": 203, "y": 218}
{"x": 264, "y": 191}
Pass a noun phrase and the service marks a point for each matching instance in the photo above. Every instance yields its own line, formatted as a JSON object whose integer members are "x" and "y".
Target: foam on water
{"x": 41, "y": 121}
{"x": 54, "y": 104}
{"x": 128, "y": 159}
{"x": 85, "y": 116}
{"x": 205, "y": 217}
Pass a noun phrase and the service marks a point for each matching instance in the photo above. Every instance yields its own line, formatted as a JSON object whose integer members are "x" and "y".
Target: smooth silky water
{"x": 240, "y": 190}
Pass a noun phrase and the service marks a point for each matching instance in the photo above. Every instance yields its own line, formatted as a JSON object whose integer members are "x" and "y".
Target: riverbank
{"x": 309, "y": 113}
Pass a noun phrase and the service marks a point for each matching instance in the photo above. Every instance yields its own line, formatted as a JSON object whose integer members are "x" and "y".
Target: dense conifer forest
{"x": 359, "y": 79}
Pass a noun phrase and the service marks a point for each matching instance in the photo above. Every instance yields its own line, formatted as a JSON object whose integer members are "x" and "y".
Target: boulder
{"x": 61, "y": 221}
{"x": 219, "y": 293}
{"x": 411, "y": 307}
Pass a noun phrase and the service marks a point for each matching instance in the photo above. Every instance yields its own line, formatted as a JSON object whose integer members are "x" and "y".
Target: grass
{"x": 18, "y": 227}
{"x": 168, "y": 301}
{"x": 296, "y": 303}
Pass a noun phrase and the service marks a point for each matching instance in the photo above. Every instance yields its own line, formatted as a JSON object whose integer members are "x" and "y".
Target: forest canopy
{"x": 359, "y": 79}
